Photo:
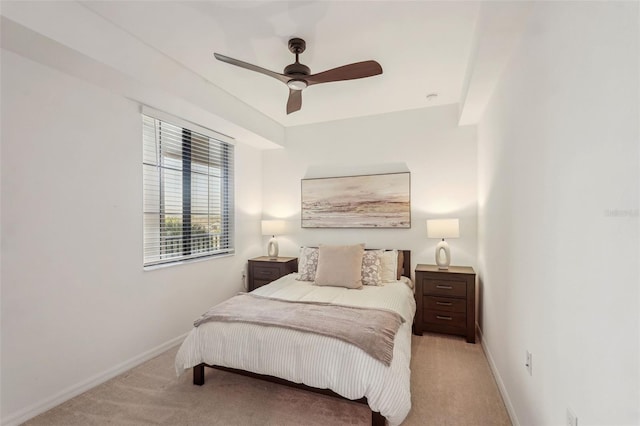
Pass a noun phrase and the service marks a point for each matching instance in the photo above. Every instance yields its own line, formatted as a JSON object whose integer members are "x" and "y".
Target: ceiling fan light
{"x": 297, "y": 84}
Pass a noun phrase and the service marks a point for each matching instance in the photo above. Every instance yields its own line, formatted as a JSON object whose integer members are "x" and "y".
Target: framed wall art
{"x": 367, "y": 201}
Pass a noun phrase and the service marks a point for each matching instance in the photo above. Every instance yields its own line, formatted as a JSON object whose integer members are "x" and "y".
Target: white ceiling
{"x": 453, "y": 48}
{"x": 423, "y": 47}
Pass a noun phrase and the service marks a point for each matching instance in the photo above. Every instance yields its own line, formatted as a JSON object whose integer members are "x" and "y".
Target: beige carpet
{"x": 451, "y": 384}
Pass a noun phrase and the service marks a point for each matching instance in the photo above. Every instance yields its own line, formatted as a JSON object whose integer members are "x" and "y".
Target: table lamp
{"x": 273, "y": 228}
{"x": 443, "y": 228}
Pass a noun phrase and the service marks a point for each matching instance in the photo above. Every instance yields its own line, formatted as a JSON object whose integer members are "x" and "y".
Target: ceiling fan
{"x": 298, "y": 76}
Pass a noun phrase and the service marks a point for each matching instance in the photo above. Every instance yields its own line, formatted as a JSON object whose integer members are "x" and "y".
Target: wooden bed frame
{"x": 377, "y": 419}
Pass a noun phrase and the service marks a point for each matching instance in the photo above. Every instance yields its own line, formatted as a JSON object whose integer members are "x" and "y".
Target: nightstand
{"x": 446, "y": 301}
{"x": 264, "y": 269}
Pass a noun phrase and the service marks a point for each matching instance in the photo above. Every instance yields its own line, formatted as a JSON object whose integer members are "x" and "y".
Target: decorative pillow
{"x": 307, "y": 264}
{"x": 340, "y": 266}
{"x": 371, "y": 267}
{"x": 389, "y": 266}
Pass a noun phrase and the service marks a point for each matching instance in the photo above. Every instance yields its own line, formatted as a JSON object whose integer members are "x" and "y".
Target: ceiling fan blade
{"x": 295, "y": 101}
{"x": 346, "y": 72}
{"x": 283, "y": 78}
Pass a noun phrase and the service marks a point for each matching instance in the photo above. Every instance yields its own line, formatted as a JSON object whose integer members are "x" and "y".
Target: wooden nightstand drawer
{"x": 445, "y": 304}
{"x": 445, "y": 287}
{"x": 449, "y": 319}
{"x": 265, "y": 272}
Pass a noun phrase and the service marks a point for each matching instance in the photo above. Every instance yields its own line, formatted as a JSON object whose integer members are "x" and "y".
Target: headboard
{"x": 406, "y": 265}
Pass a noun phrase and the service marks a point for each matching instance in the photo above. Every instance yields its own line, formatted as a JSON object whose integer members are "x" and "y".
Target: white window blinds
{"x": 188, "y": 192}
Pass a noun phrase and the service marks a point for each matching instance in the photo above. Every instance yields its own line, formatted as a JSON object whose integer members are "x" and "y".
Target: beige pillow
{"x": 340, "y": 266}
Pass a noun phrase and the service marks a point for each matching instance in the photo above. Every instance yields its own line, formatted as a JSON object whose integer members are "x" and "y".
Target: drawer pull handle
{"x": 446, "y": 287}
{"x": 444, "y": 303}
{"x": 443, "y": 318}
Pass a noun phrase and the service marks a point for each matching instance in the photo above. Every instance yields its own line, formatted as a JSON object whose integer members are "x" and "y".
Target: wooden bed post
{"x": 198, "y": 375}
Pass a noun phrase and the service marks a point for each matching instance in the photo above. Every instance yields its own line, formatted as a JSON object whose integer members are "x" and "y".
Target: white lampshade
{"x": 273, "y": 227}
{"x": 443, "y": 228}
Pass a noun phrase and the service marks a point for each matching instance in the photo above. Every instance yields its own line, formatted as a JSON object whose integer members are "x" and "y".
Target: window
{"x": 188, "y": 190}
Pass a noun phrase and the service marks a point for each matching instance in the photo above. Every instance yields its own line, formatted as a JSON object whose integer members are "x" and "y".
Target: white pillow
{"x": 389, "y": 266}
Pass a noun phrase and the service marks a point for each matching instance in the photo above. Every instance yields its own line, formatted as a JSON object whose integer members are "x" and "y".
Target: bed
{"x": 315, "y": 362}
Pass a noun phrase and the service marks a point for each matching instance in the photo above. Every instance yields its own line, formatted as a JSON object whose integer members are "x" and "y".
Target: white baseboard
{"x": 40, "y": 407}
{"x": 496, "y": 375}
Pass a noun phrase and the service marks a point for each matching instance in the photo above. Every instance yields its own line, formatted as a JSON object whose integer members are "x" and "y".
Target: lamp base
{"x": 272, "y": 248}
{"x": 443, "y": 255}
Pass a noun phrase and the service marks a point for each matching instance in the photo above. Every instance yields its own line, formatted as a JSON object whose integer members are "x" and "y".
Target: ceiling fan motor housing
{"x": 297, "y": 69}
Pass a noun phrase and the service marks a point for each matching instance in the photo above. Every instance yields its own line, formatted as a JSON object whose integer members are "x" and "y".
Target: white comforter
{"x": 318, "y": 361}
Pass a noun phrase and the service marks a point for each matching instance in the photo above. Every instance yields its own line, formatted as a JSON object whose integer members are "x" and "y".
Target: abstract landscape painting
{"x": 369, "y": 201}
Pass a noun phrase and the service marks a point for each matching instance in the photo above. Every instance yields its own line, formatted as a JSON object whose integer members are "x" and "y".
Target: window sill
{"x": 185, "y": 262}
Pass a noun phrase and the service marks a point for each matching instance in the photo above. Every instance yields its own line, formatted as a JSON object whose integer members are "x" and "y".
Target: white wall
{"x": 77, "y": 306}
{"x": 558, "y": 156}
{"x": 440, "y": 156}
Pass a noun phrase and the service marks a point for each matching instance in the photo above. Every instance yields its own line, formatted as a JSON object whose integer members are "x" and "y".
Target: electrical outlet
{"x": 529, "y": 363}
{"x": 572, "y": 419}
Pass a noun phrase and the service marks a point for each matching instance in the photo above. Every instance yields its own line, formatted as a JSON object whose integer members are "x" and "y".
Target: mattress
{"x": 315, "y": 360}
